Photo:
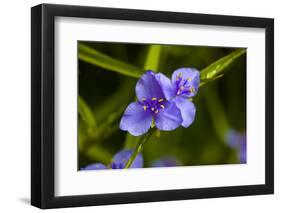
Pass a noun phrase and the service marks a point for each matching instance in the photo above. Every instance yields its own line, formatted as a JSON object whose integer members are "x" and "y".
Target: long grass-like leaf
{"x": 86, "y": 113}
{"x": 218, "y": 67}
{"x": 90, "y": 55}
{"x": 153, "y": 58}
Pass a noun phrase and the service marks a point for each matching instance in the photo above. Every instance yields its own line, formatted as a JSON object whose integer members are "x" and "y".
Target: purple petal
{"x": 168, "y": 88}
{"x": 122, "y": 157}
{"x": 148, "y": 87}
{"x": 192, "y": 73}
{"x": 95, "y": 166}
{"x": 243, "y": 149}
{"x": 237, "y": 141}
{"x": 193, "y": 77}
{"x": 136, "y": 120}
{"x": 233, "y": 138}
{"x": 166, "y": 162}
{"x": 169, "y": 118}
{"x": 187, "y": 109}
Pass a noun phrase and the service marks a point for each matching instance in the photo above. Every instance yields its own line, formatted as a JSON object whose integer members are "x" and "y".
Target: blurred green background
{"x": 108, "y": 73}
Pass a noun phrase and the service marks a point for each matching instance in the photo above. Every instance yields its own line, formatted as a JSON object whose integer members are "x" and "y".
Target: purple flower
{"x": 184, "y": 85}
{"x": 166, "y": 162}
{"x": 121, "y": 158}
{"x": 118, "y": 162}
{"x": 95, "y": 166}
{"x": 238, "y": 141}
{"x": 151, "y": 108}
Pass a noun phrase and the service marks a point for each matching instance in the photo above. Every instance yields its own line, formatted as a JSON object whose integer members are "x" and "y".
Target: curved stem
{"x": 139, "y": 146}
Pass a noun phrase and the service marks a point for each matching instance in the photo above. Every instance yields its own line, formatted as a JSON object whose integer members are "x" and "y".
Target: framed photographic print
{"x": 140, "y": 106}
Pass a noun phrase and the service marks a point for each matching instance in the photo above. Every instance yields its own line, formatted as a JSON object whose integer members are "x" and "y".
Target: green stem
{"x": 139, "y": 146}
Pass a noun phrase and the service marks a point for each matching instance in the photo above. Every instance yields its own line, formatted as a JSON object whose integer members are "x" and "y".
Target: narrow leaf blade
{"x": 90, "y": 55}
{"x": 86, "y": 113}
{"x": 218, "y": 67}
{"x": 153, "y": 58}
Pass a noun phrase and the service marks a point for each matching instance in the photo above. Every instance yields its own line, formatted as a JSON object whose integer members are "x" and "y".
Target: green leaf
{"x": 86, "y": 113}
{"x": 90, "y": 55}
{"x": 212, "y": 79}
{"x": 218, "y": 67}
{"x": 153, "y": 58}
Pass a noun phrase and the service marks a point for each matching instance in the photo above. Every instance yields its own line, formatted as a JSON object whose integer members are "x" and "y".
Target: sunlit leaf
{"x": 219, "y": 66}
{"x": 212, "y": 79}
{"x": 90, "y": 55}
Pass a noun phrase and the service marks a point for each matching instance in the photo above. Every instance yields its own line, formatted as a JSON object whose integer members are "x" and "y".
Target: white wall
{"x": 15, "y": 105}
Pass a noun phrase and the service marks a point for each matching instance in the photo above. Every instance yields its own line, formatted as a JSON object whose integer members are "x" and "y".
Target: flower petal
{"x": 185, "y": 73}
{"x": 148, "y": 87}
{"x": 233, "y": 138}
{"x": 136, "y": 120}
{"x": 95, "y": 166}
{"x": 187, "y": 109}
{"x": 168, "y": 88}
{"x": 166, "y": 162}
{"x": 243, "y": 153}
{"x": 121, "y": 158}
{"x": 237, "y": 141}
{"x": 169, "y": 118}
{"x": 188, "y": 73}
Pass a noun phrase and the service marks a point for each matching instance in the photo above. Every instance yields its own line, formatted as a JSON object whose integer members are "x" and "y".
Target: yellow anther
{"x": 162, "y": 106}
{"x": 160, "y": 100}
{"x": 144, "y": 107}
{"x": 192, "y": 89}
{"x": 153, "y": 99}
{"x": 143, "y": 99}
{"x": 178, "y": 76}
{"x": 156, "y": 111}
{"x": 188, "y": 79}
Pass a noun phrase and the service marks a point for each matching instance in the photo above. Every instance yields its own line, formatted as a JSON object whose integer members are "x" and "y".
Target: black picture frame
{"x": 43, "y": 102}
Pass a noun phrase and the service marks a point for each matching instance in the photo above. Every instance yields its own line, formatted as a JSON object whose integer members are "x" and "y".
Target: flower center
{"x": 183, "y": 86}
{"x": 153, "y": 105}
